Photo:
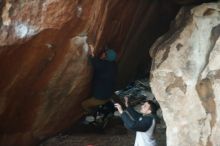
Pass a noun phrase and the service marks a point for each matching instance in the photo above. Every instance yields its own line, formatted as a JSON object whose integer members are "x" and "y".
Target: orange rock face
{"x": 44, "y": 71}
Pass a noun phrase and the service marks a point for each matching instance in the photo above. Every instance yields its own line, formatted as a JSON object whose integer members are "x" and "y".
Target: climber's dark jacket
{"x": 104, "y": 78}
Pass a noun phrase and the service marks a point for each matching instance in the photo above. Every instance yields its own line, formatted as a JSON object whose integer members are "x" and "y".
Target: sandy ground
{"x": 113, "y": 135}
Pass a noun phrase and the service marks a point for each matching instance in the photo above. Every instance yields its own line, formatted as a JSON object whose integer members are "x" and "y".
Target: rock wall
{"x": 44, "y": 72}
{"x": 185, "y": 77}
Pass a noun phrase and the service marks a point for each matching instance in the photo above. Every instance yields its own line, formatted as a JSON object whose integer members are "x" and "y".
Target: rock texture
{"x": 44, "y": 72}
{"x": 185, "y": 77}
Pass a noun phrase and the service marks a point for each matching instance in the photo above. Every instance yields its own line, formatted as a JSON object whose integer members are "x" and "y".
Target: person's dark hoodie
{"x": 104, "y": 78}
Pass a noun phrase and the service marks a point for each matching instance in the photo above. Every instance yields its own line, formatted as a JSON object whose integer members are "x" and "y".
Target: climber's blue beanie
{"x": 111, "y": 55}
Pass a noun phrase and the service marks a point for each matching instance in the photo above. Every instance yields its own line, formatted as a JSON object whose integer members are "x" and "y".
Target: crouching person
{"x": 142, "y": 123}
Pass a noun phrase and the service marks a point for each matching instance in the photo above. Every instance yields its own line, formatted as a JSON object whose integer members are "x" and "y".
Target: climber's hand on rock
{"x": 91, "y": 50}
{"x": 126, "y": 101}
{"x": 119, "y": 108}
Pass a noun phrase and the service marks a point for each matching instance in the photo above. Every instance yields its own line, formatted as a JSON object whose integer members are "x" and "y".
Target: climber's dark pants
{"x": 91, "y": 103}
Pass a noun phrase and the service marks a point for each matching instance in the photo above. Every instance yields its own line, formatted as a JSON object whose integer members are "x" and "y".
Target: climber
{"x": 104, "y": 78}
{"x": 142, "y": 123}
